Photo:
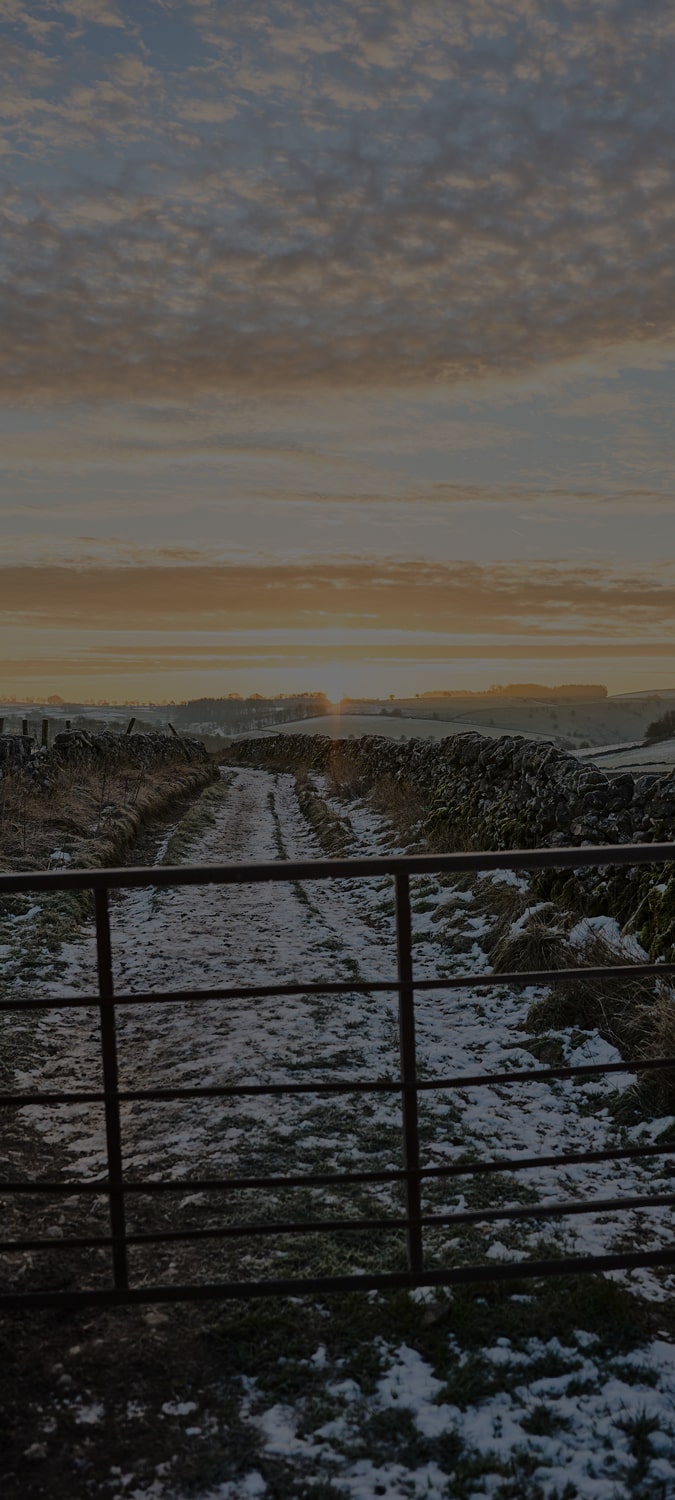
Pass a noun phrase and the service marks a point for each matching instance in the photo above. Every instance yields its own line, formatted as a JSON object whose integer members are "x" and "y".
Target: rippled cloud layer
{"x": 226, "y": 195}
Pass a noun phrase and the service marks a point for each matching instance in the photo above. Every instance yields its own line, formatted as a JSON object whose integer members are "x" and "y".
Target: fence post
{"x": 45, "y": 733}
{"x": 406, "y": 1031}
{"x": 110, "y": 1085}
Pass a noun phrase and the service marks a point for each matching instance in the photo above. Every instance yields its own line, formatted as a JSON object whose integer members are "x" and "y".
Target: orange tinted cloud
{"x": 462, "y": 600}
{"x": 310, "y": 659}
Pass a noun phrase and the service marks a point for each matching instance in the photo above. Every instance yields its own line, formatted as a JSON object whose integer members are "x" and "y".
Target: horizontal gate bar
{"x": 492, "y": 980}
{"x": 345, "y": 1179}
{"x": 337, "y": 1226}
{"x": 220, "y": 1291}
{"x": 342, "y": 869}
{"x": 353, "y": 1086}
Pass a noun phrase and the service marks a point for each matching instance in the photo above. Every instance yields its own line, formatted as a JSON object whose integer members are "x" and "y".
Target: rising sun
{"x": 334, "y": 683}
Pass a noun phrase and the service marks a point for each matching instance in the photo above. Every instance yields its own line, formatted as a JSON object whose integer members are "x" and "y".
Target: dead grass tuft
{"x": 334, "y": 834}
{"x": 502, "y": 905}
{"x": 637, "y": 1016}
{"x": 345, "y": 776}
{"x": 539, "y": 942}
{"x": 401, "y": 804}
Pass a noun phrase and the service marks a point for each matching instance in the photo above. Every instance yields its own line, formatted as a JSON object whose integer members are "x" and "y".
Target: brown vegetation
{"x": 88, "y": 815}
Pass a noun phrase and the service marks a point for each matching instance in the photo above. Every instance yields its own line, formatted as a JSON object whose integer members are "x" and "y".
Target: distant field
{"x": 611, "y": 757}
{"x": 575, "y": 725}
{"x": 341, "y": 726}
{"x": 660, "y": 757}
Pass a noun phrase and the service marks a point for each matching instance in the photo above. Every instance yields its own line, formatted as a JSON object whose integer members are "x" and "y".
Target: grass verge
{"x": 88, "y": 820}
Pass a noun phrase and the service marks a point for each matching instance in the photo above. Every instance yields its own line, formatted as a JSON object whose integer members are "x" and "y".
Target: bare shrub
{"x": 344, "y": 775}
{"x": 92, "y": 813}
{"x": 393, "y": 796}
{"x": 661, "y": 729}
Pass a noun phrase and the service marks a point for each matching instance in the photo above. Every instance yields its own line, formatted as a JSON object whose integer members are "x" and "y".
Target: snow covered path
{"x": 203, "y": 936}
{"x": 469, "y": 1414}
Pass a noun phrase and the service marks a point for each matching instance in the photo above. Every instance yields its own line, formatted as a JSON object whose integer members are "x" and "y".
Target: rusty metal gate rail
{"x": 412, "y": 1174}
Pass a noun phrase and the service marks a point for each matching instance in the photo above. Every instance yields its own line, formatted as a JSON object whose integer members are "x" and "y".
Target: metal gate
{"x": 412, "y": 1173}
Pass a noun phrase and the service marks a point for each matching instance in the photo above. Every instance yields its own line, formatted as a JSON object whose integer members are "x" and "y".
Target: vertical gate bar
{"x": 406, "y": 1031}
{"x": 111, "y": 1085}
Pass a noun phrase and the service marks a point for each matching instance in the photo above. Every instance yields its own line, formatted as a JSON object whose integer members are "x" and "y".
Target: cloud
{"x": 543, "y": 605}
{"x": 302, "y": 195}
{"x": 311, "y": 659}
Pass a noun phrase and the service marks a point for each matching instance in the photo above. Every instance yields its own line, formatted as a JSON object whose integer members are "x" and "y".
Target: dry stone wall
{"x": 510, "y": 789}
{"x": 509, "y": 793}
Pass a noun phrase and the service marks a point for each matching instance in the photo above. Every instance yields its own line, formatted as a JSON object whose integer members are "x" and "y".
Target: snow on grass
{"x": 560, "y": 1413}
{"x": 328, "y": 929}
{"x": 625, "y": 944}
{"x": 560, "y": 1419}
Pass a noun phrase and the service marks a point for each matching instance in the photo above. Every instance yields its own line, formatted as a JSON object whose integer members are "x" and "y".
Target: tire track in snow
{"x": 196, "y": 937}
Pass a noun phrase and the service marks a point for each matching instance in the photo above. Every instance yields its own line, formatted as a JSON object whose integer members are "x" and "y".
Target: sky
{"x": 337, "y": 346}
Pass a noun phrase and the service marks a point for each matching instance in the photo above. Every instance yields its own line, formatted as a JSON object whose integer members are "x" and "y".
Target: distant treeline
{"x": 233, "y": 714}
{"x": 567, "y": 692}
